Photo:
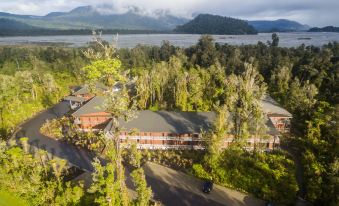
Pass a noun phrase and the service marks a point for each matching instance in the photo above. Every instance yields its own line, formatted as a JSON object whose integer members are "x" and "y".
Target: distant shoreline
{"x": 72, "y": 32}
{"x": 47, "y": 32}
{"x": 289, "y": 39}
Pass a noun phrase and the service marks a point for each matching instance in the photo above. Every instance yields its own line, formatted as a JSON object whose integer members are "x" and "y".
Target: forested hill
{"x": 280, "y": 25}
{"x": 214, "y": 24}
{"x": 325, "y": 29}
{"x": 9, "y": 24}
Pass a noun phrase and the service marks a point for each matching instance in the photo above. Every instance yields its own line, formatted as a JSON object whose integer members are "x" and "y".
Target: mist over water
{"x": 181, "y": 40}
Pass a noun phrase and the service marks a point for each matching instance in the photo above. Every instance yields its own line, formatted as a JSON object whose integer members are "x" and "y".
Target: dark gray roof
{"x": 74, "y": 99}
{"x": 82, "y": 90}
{"x": 270, "y": 106}
{"x": 175, "y": 122}
{"x": 96, "y": 104}
{"x": 75, "y": 88}
{"x": 86, "y": 90}
{"x": 171, "y": 122}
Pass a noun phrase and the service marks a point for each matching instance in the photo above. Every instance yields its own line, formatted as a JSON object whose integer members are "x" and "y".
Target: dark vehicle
{"x": 207, "y": 187}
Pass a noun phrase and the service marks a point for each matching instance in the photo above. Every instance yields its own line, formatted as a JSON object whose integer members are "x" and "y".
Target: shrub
{"x": 270, "y": 176}
{"x": 52, "y": 128}
{"x": 200, "y": 172}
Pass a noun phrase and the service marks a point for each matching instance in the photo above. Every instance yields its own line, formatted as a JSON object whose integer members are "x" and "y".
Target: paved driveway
{"x": 176, "y": 188}
{"x": 55, "y": 148}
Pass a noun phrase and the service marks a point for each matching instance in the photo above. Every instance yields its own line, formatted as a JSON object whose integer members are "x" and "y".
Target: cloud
{"x": 312, "y": 12}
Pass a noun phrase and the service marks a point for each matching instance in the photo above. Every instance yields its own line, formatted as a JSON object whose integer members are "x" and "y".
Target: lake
{"x": 182, "y": 40}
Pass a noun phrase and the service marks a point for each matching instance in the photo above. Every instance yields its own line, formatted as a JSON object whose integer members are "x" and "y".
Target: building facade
{"x": 174, "y": 130}
{"x": 91, "y": 115}
{"x": 180, "y": 130}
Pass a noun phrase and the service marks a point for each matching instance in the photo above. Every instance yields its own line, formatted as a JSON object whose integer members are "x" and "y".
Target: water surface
{"x": 182, "y": 40}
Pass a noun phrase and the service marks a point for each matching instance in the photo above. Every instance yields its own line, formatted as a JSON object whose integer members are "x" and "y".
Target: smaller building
{"x": 74, "y": 101}
{"x": 91, "y": 116}
{"x": 279, "y": 116}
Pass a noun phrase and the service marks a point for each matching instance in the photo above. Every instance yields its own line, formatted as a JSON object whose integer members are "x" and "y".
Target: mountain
{"x": 280, "y": 25}
{"x": 132, "y": 19}
{"x": 9, "y": 24}
{"x": 214, "y": 24}
{"x": 324, "y": 29}
{"x": 88, "y": 17}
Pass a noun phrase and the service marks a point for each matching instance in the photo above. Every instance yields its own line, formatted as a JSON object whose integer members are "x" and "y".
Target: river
{"x": 183, "y": 40}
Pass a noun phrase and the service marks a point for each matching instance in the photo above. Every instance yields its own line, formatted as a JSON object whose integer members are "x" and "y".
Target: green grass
{"x": 7, "y": 199}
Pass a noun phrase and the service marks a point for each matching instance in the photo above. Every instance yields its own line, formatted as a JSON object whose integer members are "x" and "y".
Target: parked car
{"x": 207, "y": 187}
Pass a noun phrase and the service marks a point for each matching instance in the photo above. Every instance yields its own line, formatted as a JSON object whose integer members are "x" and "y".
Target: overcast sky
{"x": 311, "y": 12}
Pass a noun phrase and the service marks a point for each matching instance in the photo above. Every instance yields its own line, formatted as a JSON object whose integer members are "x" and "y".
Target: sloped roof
{"x": 74, "y": 99}
{"x": 96, "y": 104}
{"x": 271, "y": 107}
{"x": 175, "y": 122}
{"x": 86, "y": 90}
{"x": 171, "y": 122}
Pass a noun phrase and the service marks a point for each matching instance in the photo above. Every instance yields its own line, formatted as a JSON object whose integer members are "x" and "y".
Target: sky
{"x": 312, "y": 12}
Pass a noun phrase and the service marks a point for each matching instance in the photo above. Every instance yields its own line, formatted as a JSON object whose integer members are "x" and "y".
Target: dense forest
{"x": 204, "y": 77}
{"x": 32, "y": 79}
{"x": 280, "y": 25}
{"x": 214, "y": 24}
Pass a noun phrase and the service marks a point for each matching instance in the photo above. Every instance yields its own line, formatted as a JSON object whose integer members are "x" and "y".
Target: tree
{"x": 143, "y": 88}
{"x": 138, "y": 177}
{"x": 196, "y": 90}
{"x": 106, "y": 187}
{"x": 275, "y": 40}
{"x": 244, "y": 95}
{"x": 215, "y": 139}
{"x": 49, "y": 82}
{"x": 144, "y": 192}
{"x": 205, "y": 51}
{"x": 27, "y": 84}
{"x": 109, "y": 181}
{"x": 301, "y": 96}
{"x": 280, "y": 83}
{"x": 27, "y": 177}
{"x": 6, "y": 94}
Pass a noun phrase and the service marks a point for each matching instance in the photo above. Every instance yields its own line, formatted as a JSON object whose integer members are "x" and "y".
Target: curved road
{"x": 169, "y": 186}
{"x": 31, "y": 129}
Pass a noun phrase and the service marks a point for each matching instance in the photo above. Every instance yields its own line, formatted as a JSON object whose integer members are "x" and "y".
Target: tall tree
{"x": 205, "y": 51}
{"x": 215, "y": 139}
{"x": 245, "y": 93}
{"x": 105, "y": 68}
{"x": 275, "y": 40}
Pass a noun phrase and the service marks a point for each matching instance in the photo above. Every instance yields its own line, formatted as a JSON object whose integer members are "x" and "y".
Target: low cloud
{"x": 312, "y": 12}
